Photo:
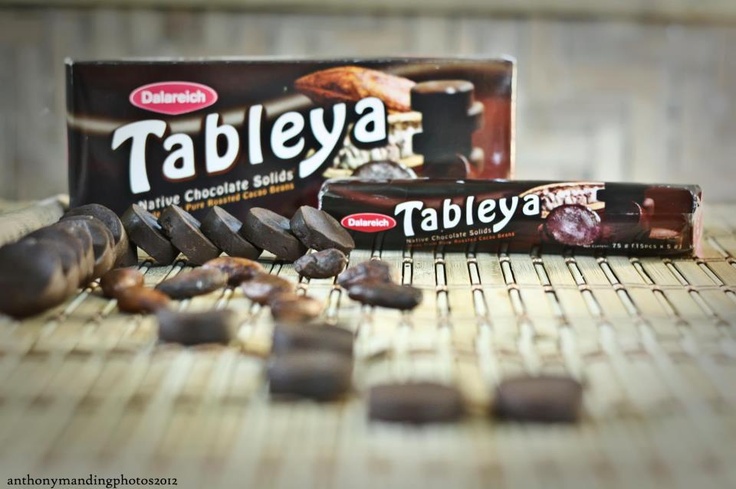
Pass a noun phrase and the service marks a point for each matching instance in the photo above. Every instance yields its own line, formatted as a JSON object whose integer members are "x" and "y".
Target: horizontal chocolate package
{"x": 517, "y": 216}
{"x": 245, "y": 132}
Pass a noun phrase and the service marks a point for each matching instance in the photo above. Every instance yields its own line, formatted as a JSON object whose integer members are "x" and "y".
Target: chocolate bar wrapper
{"x": 517, "y": 216}
{"x": 244, "y": 132}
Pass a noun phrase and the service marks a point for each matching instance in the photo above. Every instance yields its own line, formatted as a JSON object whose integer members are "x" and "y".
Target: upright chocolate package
{"x": 254, "y": 132}
{"x": 517, "y": 216}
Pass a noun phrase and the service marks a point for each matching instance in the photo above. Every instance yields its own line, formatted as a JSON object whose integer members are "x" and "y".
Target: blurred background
{"x": 639, "y": 90}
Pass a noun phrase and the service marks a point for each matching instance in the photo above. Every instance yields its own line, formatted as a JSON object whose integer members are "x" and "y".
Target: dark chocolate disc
{"x": 123, "y": 255}
{"x": 319, "y": 230}
{"x": 573, "y": 225}
{"x": 145, "y": 231}
{"x": 183, "y": 230}
{"x": 31, "y": 278}
{"x": 223, "y": 229}
{"x": 83, "y": 254}
{"x": 102, "y": 241}
{"x": 271, "y": 231}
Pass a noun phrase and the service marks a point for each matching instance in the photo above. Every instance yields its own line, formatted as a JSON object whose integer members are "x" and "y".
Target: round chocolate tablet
{"x": 546, "y": 399}
{"x": 195, "y": 328}
{"x": 84, "y": 255}
{"x": 271, "y": 231}
{"x": 145, "y": 231}
{"x": 223, "y": 229}
{"x": 291, "y": 308}
{"x": 123, "y": 256}
{"x": 69, "y": 258}
{"x": 288, "y": 338}
{"x": 319, "y": 375}
{"x": 31, "y": 278}
{"x": 264, "y": 287}
{"x": 386, "y": 294}
{"x": 183, "y": 230}
{"x": 573, "y": 225}
{"x": 237, "y": 269}
{"x": 102, "y": 242}
{"x": 118, "y": 279}
{"x": 319, "y": 230}
{"x": 321, "y": 264}
{"x": 137, "y": 300}
{"x": 367, "y": 271}
{"x": 83, "y": 238}
{"x": 383, "y": 170}
{"x": 417, "y": 403}
{"x": 199, "y": 281}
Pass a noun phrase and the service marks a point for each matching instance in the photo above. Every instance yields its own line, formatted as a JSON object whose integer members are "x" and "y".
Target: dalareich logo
{"x": 173, "y": 97}
{"x": 368, "y": 222}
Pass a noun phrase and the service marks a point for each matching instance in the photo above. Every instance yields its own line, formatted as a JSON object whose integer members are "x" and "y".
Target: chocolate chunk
{"x": 290, "y": 308}
{"x": 194, "y": 328}
{"x": 123, "y": 255}
{"x": 199, "y": 281}
{"x": 319, "y": 230}
{"x": 223, "y": 229}
{"x": 417, "y": 403}
{"x": 383, "y": 170}
{"x": 264, "y": 287}
{"x": 288, "y": 338}
{"x": 271, "y": 231}
{"x": 321, "y": 264}
{"x": 319, "y": 375}
{"x": 386, "y": 294}
{"x": 573, "y": 225}
{"x": 102, "y": 242}
{"x": 546, "y": 399}
{"x": 139, "y": 300}
{"x": 185, "y": 235}
{"x": 120, "y": 279}
{"x": 31, "y": 278}
{"x": 368, "y": 271}
{"x": 145, "y": 231}
{"x": 237, "y": 269}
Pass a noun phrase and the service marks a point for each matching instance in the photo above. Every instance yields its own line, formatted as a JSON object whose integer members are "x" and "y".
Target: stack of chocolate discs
{"x": 449, "y": 117}
{"x": 50, "y": 264}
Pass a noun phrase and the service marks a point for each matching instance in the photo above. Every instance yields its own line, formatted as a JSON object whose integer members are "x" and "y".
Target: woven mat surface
{"x": 86, "y": 390}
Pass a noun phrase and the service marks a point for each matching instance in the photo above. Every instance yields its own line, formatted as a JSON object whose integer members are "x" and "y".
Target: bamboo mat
{"x": 87, "y": 390}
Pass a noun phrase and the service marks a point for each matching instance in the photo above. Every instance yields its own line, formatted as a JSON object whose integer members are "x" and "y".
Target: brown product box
{"x": 245, "y": 132}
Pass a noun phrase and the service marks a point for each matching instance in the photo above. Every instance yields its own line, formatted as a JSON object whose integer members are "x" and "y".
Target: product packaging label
{"x": 517, "y": 216}
{"x": 240, "y": 133}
